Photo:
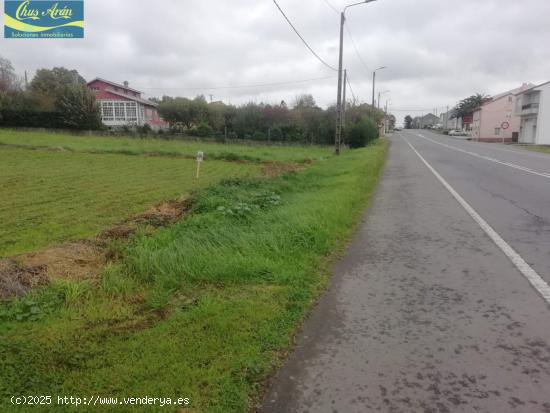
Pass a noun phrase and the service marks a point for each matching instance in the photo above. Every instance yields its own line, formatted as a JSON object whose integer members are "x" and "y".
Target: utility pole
{"x": 338, "y": 134}
{"x": 339, "y": 95}
{"x": 26, "y": 81}
{"x": 343, "y": 119}
{"x": 374, "y": 84}
{"x": 211, "y": 96}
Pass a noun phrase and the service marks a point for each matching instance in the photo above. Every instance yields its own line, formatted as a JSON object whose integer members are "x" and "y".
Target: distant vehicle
{"x": 457, "y": 132}
{"x": 397, "y": 129}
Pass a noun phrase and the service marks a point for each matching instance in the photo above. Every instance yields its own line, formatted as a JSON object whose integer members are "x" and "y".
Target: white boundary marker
{"x": 535, "y": 279}
{"x": 487, "y": 158}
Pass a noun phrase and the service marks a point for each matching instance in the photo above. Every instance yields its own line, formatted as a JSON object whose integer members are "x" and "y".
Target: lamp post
{"x": 374, "y": 82}
{"x": 338, "y": 135}
{"x": 380, "y": 94}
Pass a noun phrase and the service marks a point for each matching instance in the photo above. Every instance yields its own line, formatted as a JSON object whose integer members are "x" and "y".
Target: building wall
{"x": 539, "y": 117}
{"x": 543, "y": 121}
{"x": 487, "y": 122}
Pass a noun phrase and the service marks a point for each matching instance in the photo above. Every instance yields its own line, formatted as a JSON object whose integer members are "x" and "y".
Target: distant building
{"x": 533, "y": 108}
{"x": 426, "y": 121}
{"x": 496, "y": 121}
{"x": 124, "y": 106}
{"x": 447, "y": 121}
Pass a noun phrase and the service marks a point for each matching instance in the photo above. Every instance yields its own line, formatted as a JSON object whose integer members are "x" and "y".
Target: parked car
{"x": 457, "y": 132}
{"x": 397, "y": 129}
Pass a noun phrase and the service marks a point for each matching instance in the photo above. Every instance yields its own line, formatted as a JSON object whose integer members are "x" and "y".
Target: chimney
{"x": 125, "y": 83}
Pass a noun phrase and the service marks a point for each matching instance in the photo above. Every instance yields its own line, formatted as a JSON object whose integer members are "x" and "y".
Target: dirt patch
{"x": 16, "y": 279}
{"x": 275, "y": 169}
{"x": 75, "y": 261}
{"x": 160, "y": 215}
{"x": 56, "y": 149}
{"x": 81, "y": 259}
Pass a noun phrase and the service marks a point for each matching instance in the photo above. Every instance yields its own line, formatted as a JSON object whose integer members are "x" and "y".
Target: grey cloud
{"x": 437, "y": 51}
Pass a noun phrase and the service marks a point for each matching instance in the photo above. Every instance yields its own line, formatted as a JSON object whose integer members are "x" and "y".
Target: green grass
{"x": 136, "y": 146}
{"x": 51, "y": 197}
{"x": 202, "y": 309}
{"x": 537, "y": 148}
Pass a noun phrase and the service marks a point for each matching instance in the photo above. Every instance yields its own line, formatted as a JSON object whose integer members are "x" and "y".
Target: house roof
{"x": 113, "y": 84}
{"x": 515, "y": 91}
{"x": 533, "y": 87}
{"x": 134, "y": 98}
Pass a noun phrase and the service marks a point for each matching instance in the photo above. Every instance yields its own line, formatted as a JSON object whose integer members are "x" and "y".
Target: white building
{"x": 533, "y": 106}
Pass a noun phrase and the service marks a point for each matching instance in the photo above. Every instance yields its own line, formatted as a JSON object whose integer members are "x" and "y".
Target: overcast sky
{"x": 437, "y": 51}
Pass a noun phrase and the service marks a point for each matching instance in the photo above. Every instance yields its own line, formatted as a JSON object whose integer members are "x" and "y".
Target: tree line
{"x": 302, "y": 121}
{"x": 55, "y": 98}
{"x": 59, "y": 98}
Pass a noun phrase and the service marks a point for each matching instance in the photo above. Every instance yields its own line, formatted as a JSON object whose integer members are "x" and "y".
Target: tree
{"x": 8, "y": 78}
{"x": 48, "y": 85}
{"x": 408, "y": 122}
{"x": 304, "y": 101}
{"x": 78, "y": 107}
{"x": 466, "y": 107}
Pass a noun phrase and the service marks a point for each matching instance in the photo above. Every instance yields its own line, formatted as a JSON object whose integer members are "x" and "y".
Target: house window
{"x": 120, "y": 113}
{"x": 107, "y": 111}
{"x": 131, "y": 111}
{"x": 497, "y": 131}
{"x": 509, "y": 99}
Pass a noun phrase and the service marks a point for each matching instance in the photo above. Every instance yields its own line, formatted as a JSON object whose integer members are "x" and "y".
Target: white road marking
{"x": 487, "y": 158}
{"x": 532, "y": 276}
{"x": 522, "y": 152}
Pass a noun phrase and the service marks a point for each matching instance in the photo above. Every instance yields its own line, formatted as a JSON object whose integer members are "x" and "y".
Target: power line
{"x": 239, "y": 86}
{"x": 301, "y": 38}
{"x": 351, "y": 89}
{"x": 356, "y": 49}
{"x": 328, "y": 3}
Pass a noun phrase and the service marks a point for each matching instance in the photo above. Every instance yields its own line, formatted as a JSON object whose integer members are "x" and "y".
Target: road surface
{"x": 430, "y": 310}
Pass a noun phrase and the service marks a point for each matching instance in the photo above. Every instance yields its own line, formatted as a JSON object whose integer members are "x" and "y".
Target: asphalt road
{"x": 426, "y": 312}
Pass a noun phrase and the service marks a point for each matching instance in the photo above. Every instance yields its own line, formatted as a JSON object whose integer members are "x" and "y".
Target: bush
{"x": 362, "y": 133}
{"x": 203, "y": 130}
{"x": 31, "y": 119}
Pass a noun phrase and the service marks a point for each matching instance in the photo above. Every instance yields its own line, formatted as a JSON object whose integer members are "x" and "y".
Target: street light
{"x": 374, "y": 81}
{"x": 337, "y": 138}
{"x": 380, "y": 94}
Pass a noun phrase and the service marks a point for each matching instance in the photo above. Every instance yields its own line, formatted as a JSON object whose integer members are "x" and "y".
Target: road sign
{"x": 505, "y": 125}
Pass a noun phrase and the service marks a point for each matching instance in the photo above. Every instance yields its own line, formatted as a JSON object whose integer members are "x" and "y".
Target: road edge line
{"x": 532, "y": 276}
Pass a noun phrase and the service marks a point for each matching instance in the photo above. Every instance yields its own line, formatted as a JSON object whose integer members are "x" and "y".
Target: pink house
{"x": 123, "y": 106}
{"x": 496, "y": 120}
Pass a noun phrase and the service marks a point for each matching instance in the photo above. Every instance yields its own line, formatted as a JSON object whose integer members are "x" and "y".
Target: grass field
{"x": 136, "y": 146}
{"x": 51, "y": 197}
{"x": 203, "y": 309}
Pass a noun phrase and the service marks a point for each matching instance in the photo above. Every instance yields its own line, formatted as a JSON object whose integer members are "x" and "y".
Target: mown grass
{"x": 51, "y": 197}
{"x": 137, "y": 146}
{"x": 203, "y": 309}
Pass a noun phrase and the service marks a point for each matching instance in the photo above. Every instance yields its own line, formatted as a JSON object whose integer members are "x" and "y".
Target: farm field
{"x": 52, "y": 197}
{"x": 137, "y": 146}
{"x": 204, "y": 308}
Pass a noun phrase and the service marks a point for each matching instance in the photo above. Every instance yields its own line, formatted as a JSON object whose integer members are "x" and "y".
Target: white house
{"x": 533, "y": 107}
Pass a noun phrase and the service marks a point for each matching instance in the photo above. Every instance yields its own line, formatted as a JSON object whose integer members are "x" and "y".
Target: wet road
{"x": 426, "y": 313}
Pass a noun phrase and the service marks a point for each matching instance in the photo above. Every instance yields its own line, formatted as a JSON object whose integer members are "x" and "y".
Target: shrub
{"x": 203, "y": 130}
{"x": 362, "y": 133}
